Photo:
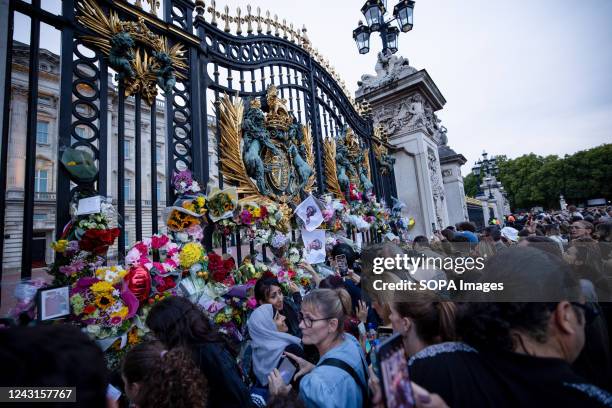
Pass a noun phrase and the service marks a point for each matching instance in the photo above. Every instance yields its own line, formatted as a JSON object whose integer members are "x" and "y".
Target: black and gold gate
{"x": 175, "y": 61}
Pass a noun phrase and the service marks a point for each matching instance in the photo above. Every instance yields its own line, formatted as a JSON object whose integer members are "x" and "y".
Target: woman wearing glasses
{"x": 340, "y": 377}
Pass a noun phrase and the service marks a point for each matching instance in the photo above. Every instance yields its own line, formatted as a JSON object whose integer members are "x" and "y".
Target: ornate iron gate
{"x": 193, "y": 55}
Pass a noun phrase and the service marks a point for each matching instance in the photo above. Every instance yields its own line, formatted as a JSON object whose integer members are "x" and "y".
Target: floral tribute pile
{"x": 111, "y": 301}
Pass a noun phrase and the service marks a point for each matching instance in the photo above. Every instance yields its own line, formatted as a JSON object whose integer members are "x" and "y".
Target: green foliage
{"x": 531, "y": 180}
{"x": 470, "y": 184}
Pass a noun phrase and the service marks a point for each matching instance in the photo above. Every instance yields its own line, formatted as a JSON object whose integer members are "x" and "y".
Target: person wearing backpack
{"x": 340, "y": 377}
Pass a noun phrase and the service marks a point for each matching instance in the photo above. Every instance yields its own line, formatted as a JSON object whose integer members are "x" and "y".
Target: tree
{"x": 470, "y": 185}
{"x": 531, "y": 180}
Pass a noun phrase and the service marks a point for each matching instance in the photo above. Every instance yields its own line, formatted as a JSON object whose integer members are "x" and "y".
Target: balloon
{"x": 139, "y": 282}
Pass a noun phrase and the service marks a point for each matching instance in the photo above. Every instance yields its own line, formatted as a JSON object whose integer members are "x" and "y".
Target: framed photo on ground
{"x": 53, "y": 303}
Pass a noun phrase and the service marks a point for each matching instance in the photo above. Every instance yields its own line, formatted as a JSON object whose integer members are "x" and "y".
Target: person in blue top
{"x": 340, "y": 377}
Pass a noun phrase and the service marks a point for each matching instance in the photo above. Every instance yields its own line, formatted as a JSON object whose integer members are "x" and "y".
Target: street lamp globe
{"x": 404, "y": 13}
{"x": 373, "y": 11}
{"x": 392, "y": 34}
{"x": 362, "y": 36}
{"x": 476, "y": 168}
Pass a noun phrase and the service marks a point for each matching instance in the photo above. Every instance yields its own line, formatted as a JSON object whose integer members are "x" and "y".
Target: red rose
{"x": 168, "y": 283}
{"x": 219, "y": 275}
{"x": 229, "y": 264}
{"x": 89, "y": 309}
{"x": 264, "y": 211}
{"x": 268, "y": 274}
{"x": 98, "y": 241}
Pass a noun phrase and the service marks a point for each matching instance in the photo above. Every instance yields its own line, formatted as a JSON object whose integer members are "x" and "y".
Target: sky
{"x": 518, "y": 76}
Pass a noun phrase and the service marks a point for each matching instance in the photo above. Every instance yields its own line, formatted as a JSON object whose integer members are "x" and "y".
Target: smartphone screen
{"x": 287, "y": 370}
{"x": 342, "y": 264}
{"x": 394, "y": 373}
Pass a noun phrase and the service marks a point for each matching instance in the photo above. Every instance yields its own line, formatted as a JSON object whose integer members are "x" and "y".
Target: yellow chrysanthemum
{"x": 102, "y": 287}
{"x": 256, "y": 212}
{"x": 122, "y": 313}
{"x": 190, "y": 254}
{"x": 60, "y": 246}
{"x": 104, "y": 301}
{"x": 201, "y": 201}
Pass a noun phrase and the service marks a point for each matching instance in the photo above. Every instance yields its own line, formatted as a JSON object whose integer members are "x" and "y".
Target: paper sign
{"x": 314, "y": 246}
{"x": 89, "y": 205}
{"x": 310, "y": 213}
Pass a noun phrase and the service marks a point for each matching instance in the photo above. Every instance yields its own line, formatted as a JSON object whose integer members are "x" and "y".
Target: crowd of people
{"x": 315, "y": 349}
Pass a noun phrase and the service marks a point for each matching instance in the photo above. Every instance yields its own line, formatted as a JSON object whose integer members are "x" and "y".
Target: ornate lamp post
{"x": 374, "y": 13}
{"x": 488, "y": 168}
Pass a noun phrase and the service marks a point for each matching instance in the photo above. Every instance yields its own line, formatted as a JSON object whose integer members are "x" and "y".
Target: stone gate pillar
{"x": 403, "y": 103}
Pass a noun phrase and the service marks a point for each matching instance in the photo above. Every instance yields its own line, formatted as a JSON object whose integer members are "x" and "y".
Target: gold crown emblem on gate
{"x": 278, "y": 116}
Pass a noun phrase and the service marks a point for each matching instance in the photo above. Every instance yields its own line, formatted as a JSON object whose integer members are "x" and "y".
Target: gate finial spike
{"x": 258, "y": 20}
{"x": 249, "y": 19}
{"x": 268, "y": 21}
{"x": 292, "y": 39}
{"x": 284, "y": 29}
{"x": 238, "y": 21}
{"x": 214, "y": 13}
{"x": 227, "y": 20}
{"x": 276, "y": 33}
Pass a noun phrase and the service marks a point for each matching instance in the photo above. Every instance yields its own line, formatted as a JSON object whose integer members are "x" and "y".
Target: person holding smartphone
{"x": 269, "y": 340}
{"x": 340, "y": 377}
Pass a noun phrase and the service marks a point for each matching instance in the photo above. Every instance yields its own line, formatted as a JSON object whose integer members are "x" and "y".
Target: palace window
{"x": 40, "y": 181}
{"x": 42, "y": 132}
{"x": 127, "y": 189}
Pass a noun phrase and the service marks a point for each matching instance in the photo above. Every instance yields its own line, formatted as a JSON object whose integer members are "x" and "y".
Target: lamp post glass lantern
{"x": 374, "y": 13}
{"x": 404, "y": 13}
{"x": 392, "y": 34}
{"x": 362, "y": 36}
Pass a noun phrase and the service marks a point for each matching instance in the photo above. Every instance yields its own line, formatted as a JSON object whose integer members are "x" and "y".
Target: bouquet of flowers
{"x": 104, "y": 307}
{"x": 184, "y": 183}
{"x": 84, "y": 243}
{"x": 153, "y": 267}
{"x": 181, "y": 220}
{"x": 116, "y": 352}
{"x": 222, "y": 203}
{"x": 220, "y": 269}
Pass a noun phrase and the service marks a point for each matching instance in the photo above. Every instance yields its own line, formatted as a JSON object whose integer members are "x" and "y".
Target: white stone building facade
{"x": 47, "y": 158}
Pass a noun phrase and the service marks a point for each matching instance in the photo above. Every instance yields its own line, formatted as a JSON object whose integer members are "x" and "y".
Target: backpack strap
{"x": 335, "y": 362}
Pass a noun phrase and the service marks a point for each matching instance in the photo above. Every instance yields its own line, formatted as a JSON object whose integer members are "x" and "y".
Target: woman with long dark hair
{"x": 177, "y": 322}
{"x": 148, "y": 371}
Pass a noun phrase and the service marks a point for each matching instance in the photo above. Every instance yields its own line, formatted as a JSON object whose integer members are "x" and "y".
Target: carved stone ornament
{"x": 141, "y": 58}
{"x": 437, "y": 188}
{"x": 413, "y": 113}
{"x": 267, "y": 155}
{"x": 388, "y": 68}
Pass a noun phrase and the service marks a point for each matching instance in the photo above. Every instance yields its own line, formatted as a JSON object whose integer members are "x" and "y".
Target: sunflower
{"x": 102, "y": 287}
{"x": 104, "y": 301}
{"x": 122, "y": 313}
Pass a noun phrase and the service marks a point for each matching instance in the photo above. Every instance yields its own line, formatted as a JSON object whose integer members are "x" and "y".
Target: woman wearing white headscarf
{"x": 269, "y": 339}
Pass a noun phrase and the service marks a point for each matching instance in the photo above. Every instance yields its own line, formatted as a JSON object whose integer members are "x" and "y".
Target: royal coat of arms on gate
{"x": 265, "y": 151}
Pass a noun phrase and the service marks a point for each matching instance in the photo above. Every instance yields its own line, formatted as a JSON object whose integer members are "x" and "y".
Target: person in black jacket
{"x": 177, "y": 322}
